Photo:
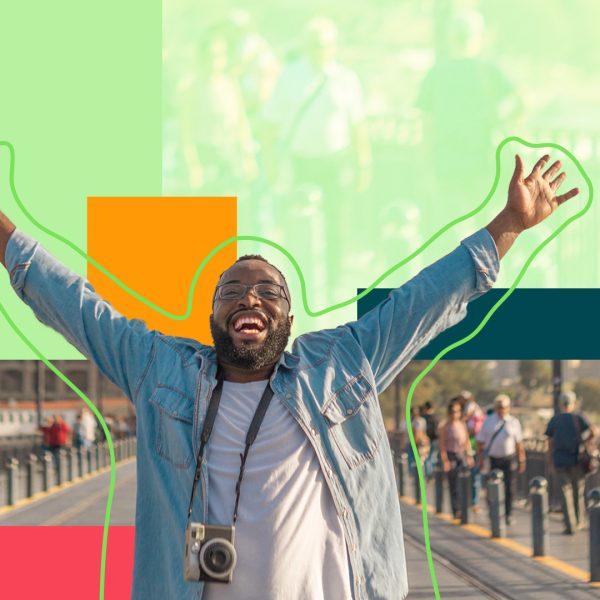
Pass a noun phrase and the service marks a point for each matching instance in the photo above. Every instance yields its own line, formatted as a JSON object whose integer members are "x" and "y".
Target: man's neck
{"x": 239, "y": 375}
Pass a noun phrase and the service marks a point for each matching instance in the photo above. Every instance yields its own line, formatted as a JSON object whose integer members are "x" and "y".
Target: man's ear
{"x": 291, "y": 319}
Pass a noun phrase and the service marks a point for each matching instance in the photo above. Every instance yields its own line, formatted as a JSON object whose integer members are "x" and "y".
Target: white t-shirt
{"x": 505, "y": 443}
{"x": 289, "y": 539}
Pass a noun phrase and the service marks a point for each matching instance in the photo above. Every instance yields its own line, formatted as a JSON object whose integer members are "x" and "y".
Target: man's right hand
{"x": 6, "y": 230}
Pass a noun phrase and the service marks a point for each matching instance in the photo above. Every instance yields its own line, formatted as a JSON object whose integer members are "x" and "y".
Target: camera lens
{"x": 218, "y": 558}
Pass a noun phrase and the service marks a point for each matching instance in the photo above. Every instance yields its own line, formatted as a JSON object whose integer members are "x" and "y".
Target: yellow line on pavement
{"x": 563, "y": 567}
{"x": 548, "y": 561}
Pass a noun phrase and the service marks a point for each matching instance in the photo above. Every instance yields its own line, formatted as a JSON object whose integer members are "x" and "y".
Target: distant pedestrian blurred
{"x": 46, "y": 437}
{"x": 216, "y": 140}
{"x": 473, "y": 417}
{"x": 315, "y": 125}
{"x": 466, "y": 100}
{"x": 58, "y": 437}
{"x": 455, "y": 450}
{"x": 419, "y": 430}
{"x": 501, "y": 440}
{"x": 566, "y": 431}
{"x": 78, "y": 432}
{"x": 432, "y": 424}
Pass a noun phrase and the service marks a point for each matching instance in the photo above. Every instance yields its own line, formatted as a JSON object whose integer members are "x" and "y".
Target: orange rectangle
{"x": 155, "y": 245}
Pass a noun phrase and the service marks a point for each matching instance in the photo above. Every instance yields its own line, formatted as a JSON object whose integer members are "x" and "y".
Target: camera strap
{"x": 209, "y": 421}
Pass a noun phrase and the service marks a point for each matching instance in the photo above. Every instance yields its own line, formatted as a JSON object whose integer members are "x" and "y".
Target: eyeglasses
{"x": 264, "y": 291}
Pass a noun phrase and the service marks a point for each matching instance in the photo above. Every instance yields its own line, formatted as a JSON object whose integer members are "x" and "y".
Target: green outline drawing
{"x": 308, "y": 310}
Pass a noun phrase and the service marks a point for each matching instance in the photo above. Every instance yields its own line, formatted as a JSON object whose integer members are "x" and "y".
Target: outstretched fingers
{"x": 540, "y": 164}
{"x": 552, "y": 171}
{"x": 567, "y": 196}
{"x": 555, "y": 184}
{"x": 518, "y": 172}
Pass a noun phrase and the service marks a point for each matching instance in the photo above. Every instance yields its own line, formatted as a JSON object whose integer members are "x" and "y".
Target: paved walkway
{"x": 505, "y": 566}
{"x": 80, "y": 503}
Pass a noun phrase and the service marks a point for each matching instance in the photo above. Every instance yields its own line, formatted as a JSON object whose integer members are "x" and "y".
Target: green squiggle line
{"x": 308, "y": 310}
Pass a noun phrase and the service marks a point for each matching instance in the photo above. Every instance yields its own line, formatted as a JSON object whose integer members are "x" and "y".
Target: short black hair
{"x": 263, "y": 259}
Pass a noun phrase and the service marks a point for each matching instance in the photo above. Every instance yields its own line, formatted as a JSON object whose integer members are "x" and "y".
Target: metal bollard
{"x": 464, "y": 493}
{"x": 47, "y": 460}
{"x": 80, "y": 462}
{"x": 495, "y": 494}
{"x": 538, "y": 496}
{"x": 12, "y": 480}
{"x": 90, "y": 457}
{"x": 31, "y": 470}
{"x": 439, "y": 489}
{"x": 71, "y": 462}
{"x": 417, "y": 488}
{"x": 594, "y": 512}
{"x": 60, "y": 466}
{"x": 97, "y": 463}
{"x": 402, "y": 473}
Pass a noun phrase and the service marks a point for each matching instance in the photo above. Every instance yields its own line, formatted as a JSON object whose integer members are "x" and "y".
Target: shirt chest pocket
{"x": 354, "y": 420}
{"x": 174, "y": 418}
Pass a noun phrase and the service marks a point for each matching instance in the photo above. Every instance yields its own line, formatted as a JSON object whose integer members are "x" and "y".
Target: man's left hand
{"x": 530, "y": 200}
{"x": 533, "y": 198}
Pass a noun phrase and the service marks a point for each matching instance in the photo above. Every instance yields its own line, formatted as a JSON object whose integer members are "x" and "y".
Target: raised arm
{"x": 67, "y": 303}
{"x": 412, "y": 315}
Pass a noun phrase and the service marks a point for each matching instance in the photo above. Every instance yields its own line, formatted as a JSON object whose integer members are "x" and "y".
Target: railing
{"x": 40, "y": 471}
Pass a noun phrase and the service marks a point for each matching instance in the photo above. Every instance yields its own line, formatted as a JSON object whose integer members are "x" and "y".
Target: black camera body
{"x": 209, "y": 553}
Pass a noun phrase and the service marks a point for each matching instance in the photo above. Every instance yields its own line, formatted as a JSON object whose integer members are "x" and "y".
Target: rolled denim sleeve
{"x": 413, "y": 314}
{"x": 67, "y": 303}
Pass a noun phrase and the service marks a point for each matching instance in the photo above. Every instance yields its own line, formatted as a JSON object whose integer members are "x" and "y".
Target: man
{"x": 565, "y": 432}
{"x": 473, "y": 417}
{"x": 318, "y": 513}
{"x": 501, "y": 439}
{"x": 317, "y": 115}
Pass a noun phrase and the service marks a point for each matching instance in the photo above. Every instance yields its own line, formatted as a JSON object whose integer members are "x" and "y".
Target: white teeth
{"x": 247, "y": 320}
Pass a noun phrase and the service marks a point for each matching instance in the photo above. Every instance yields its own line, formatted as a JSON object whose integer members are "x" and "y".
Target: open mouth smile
{"x": 249, "y": 325}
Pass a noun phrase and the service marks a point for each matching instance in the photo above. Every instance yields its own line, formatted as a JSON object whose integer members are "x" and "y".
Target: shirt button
{"x": 349, "y": 411}
{"x": 313, "y": 430}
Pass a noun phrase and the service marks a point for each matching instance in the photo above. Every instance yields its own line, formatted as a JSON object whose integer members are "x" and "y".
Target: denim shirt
{"x": 329, "y": 382}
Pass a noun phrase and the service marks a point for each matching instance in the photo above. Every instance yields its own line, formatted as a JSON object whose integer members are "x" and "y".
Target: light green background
{"x": 548, "y": 57}
{"x": 91, "y": 99}
{"x": 81, "y": 103}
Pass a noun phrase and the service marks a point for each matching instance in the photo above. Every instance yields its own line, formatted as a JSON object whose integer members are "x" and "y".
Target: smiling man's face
{"x": 251, "y": 332}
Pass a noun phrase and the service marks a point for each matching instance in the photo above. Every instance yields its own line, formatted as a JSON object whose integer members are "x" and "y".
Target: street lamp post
{"x": 556, "y": 383}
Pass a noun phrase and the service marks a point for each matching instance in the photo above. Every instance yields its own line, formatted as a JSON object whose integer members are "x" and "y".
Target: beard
{"x": 251, "y": 356}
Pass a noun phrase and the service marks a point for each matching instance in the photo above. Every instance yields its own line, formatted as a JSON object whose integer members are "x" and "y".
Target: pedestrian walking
{"x": 566, "y": 431}
{"x": 455, "y": 450}
{"x": 473, "y": 417}
{"x": 501, "y": 440}
{"x": 431, "y": 429}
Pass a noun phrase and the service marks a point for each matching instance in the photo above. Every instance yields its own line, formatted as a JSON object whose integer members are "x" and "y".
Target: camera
{"x": 209, "y": 553}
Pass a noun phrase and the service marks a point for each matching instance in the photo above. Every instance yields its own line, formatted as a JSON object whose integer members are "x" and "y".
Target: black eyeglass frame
{"x": 247, "y": 287}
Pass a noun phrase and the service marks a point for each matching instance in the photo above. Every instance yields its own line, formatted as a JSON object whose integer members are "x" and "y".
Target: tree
{"x": 588, "y": 392}
{"x": 534, "y": 373}
{"x": 447, "y": 379}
